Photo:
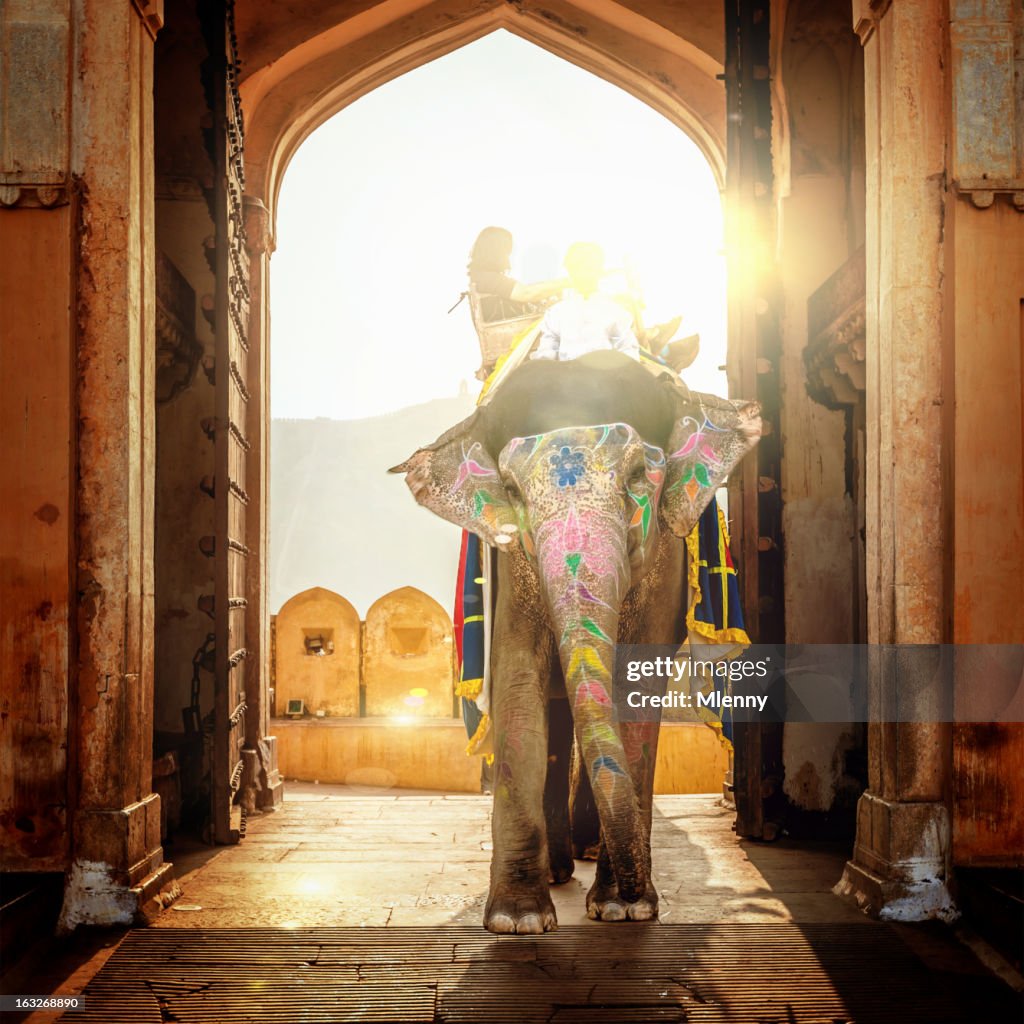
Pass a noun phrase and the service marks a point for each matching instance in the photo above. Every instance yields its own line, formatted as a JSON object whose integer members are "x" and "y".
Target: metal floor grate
{"x": 626, "y": 974}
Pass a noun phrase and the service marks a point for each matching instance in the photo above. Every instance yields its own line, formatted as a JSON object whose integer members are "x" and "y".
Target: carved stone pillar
{"x": 262, "y": 774}
{"x": 117, "y": 866}
{"x": 901, "y": 860}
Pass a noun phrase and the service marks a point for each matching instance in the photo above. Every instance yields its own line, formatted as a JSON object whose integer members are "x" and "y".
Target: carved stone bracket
{"x": 259, "y": 233}
{"x": 866, "y": 16}
{"x": 26, "y": 196}
{"x": 983, "y": 192}
{"x": 178, "y": 349}
{"x": 837, "y": 336}
{"x": 152, "y": 14}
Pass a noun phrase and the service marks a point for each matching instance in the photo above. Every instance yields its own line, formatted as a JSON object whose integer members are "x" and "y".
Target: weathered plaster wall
{"x": 36, "y": 536}
{"x": 408, "y": 656}
{"x": 328, "y": 683}
{"x": 988, "y": 535}
{"x": 37, "y": 481}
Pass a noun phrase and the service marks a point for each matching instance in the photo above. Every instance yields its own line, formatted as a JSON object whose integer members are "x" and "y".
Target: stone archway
{"x": 297, "y": 75}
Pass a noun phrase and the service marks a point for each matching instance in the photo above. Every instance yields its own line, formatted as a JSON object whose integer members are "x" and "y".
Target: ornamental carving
{"x": 837, "y": 336}
{"x": 178, "y": 351}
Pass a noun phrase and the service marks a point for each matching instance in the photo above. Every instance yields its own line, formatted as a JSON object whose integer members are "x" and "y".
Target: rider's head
{"x": 492, "y": 250}
{"x": 584, "y": 262}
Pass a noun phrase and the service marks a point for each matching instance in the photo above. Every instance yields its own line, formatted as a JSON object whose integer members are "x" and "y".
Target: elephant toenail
{"x": 530, "y": 924}
{"x": 613, "y": 912}
{"x": 641, "y": 911}
{"x": 502, "y": 924}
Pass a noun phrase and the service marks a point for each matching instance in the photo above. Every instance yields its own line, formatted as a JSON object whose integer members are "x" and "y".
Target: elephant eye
{"x": 636, "y": 476}
{"x": 514, "y": 494}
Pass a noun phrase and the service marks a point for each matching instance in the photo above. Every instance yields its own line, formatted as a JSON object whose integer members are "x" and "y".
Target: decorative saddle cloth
{"x": 715, "y": 628}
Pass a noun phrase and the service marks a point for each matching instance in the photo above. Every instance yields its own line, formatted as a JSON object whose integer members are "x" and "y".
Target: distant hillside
{"x": 339, "y": 520}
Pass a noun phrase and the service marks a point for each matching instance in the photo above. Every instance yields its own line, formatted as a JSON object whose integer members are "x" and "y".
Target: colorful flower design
{"x": 567, "y": 467}
{"x": 470, "y": 467}
{"x": 705, "y": 461}
{"x": 584, "y": 533}
{"x": 642, "y": 515}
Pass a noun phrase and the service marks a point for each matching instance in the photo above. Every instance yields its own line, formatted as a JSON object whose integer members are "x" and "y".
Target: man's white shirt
{"x": 577, "y": 325}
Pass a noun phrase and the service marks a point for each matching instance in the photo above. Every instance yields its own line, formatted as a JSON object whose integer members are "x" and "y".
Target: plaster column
{"x": 901, "y": 859}
{"x": 117, "y": 866}
{"x": 260, "y": 753}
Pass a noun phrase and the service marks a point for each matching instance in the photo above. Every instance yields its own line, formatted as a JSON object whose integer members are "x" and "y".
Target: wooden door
{"x": 225, "y": 138}
{"x": 754, "y": 355}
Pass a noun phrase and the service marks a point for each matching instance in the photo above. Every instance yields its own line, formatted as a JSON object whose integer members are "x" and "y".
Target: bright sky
{"x": 380, "y": 206}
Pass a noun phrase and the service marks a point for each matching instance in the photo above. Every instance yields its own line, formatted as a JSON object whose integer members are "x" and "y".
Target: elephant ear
{"x": 708, "y": 440}
{"x": 457, "y": 479}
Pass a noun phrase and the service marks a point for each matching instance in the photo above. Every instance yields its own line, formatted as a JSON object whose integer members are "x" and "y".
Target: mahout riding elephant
{"x": 586, "y": 475}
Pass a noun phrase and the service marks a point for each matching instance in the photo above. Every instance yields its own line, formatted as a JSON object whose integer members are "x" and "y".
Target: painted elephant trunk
{"x": 584, "y": 570}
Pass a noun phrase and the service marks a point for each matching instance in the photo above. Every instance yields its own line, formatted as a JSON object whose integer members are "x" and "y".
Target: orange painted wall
{"x": 430, "y": 753}
{"x": 988, "y": 567}
{"x": 36, "y": 425}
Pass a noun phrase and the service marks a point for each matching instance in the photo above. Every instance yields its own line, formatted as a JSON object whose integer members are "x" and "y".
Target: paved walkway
{"x": 336, "y": 861}
{"x": 340, "y": 856}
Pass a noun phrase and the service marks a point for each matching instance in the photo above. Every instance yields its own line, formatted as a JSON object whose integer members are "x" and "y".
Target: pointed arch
{"x": 288, "y": 95}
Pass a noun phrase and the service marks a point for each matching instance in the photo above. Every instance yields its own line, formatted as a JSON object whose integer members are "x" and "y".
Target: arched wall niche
{"x": 287, "y": 95}
{"x": 408, "y": 648}
{"x": 318, "y": 653}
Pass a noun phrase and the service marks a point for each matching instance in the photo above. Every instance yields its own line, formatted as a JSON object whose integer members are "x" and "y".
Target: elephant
{"x": 586, "y": 475}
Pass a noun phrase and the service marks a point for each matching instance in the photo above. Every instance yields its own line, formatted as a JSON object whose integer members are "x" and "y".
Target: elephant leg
{"x": 586, "y": 825}
{"x": 519, "y": 900}
{"x": 640, "y": 742}
{"x": 556, "y": 791}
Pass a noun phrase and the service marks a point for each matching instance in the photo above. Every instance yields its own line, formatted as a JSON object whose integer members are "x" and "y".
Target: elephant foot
{"x": 605, "y": 904}
{"x": 562, "y": 864}
{"x": 520, "y": 914}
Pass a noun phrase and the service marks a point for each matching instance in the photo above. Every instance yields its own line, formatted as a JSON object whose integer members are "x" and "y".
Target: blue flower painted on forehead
{"x": 567, "y": 467}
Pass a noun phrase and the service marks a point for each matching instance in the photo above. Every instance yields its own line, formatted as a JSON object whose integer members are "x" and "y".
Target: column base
{"x": 900, "y": 865}
{"x": 118, "y": 875}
